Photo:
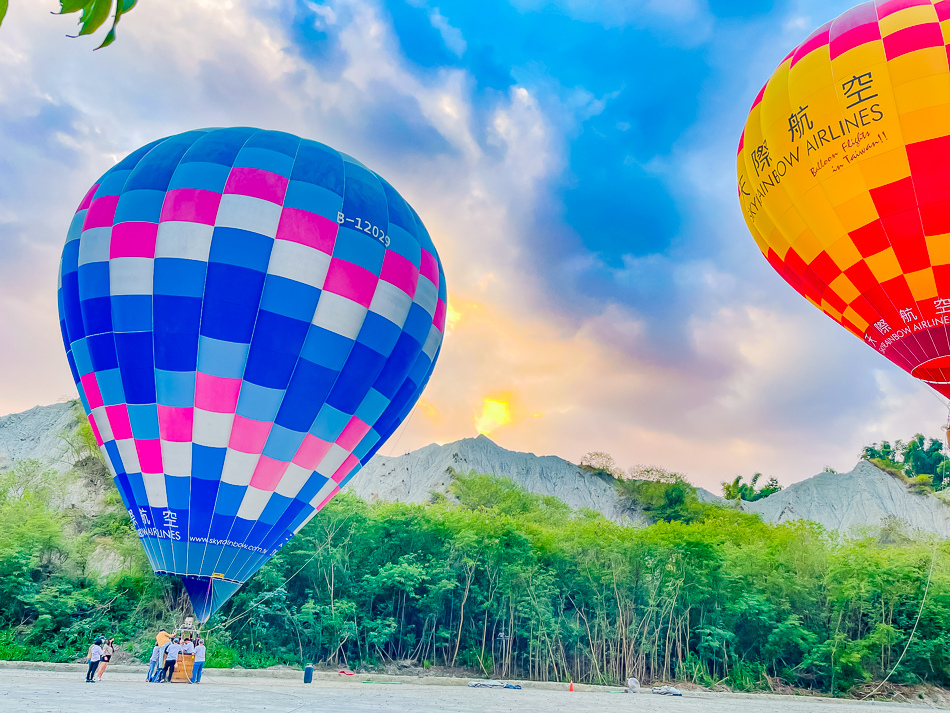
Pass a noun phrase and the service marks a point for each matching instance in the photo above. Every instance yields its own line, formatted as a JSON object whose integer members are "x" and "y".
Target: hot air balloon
{"x": 248, "y": 316}
{"x": 844, "y": 178}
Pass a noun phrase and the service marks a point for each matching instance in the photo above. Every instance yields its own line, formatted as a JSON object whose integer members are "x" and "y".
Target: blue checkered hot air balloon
{"x": 248, "y": 316}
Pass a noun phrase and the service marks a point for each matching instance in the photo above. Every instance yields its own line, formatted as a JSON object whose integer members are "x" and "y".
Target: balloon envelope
{"x": 248, "y": 316}
{"x": 844, "y": 178}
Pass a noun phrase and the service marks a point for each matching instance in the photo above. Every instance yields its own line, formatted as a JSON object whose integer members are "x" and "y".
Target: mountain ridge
{"x": 864, "y": 497}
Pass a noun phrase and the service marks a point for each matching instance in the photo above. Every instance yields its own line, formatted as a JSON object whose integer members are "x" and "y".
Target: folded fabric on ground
{"x": 492, "y": 684}
{"x": 666, "y": 691}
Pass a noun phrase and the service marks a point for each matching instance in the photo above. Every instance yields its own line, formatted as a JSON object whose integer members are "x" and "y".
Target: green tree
{"x": 738, "y": 490}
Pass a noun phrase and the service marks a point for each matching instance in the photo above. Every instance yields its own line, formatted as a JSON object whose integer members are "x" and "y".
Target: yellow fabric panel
{"x": 945, "y": 28}
{"x": 845, "y": 254}
{"x": 928, "y": 123}
{"x": 924, "y": 62}
{"x": 810, "y": 73}
{"x": 857, "y": 212}
{"x": 844, "y": 288}
{"x": 890, "y": 166}
{"x": 884, "y": 265}
{"x": 774, "y": 106}
{"x": 820, "y": 216}
{"x": 856, "y": 319}
{"x": 843, "y": 185}
{"x": 860, "y": 59}
{"x": 938, "y": 246}
{"x": 777, "y": 242}
{"x": 907, "y": 18}
{"x": 922, "y": 284}
{"x": 830, "y": 311}
{"x": 924, "y": 92}
{"x": 808, "y": 246}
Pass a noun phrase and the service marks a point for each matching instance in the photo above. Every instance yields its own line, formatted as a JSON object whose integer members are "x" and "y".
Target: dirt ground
{"x": 66, "y": 692}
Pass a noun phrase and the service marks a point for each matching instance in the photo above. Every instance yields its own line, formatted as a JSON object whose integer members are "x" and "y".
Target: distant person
{"x": 93, "y": 657}
{"x": 171, "y": 658}
{"x": 108, "y": 648}
{"x": 199, "y": 661}
{"x": 153, "y": 663}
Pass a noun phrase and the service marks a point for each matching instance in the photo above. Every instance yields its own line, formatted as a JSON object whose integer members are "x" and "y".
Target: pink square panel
{"x": 248, "y": 435}
{"x": 351, "y": 281}
{"x": 310, "y": 229}
{"x": 257, "y": 183}
{"x": 175, "y": 423}
{"x": 216, "y": 393}
{"x": 268, "y": 473}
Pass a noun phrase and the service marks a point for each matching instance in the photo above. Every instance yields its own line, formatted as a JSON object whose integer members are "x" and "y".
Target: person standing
{"x": 153, "y": 663}
{"x": 162, "y": 637}
{"x": 188, "y": 647}
{"x": 94, "y": 657}
{"x": 199, "y": 661}
{"x": 171, "y": 658}
{"x": 108, "y": 648}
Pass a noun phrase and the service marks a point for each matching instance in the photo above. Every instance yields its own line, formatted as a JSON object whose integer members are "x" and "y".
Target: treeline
{"x": 512, "y": 585}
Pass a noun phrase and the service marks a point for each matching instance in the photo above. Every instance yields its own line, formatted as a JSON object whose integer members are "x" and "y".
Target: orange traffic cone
{"x": 571, "y": 687}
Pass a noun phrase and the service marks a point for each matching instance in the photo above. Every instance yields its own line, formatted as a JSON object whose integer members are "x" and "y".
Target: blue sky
{"x": 575, "y": 163}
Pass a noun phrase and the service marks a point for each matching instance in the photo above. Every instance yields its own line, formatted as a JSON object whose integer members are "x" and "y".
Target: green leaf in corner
{"x": 94, "y": 14}
{"x": 122, "y": 7}
{"x": 68, "y": 6}
{"x": 110, "y": 38}
{"x": 3, "y": 9}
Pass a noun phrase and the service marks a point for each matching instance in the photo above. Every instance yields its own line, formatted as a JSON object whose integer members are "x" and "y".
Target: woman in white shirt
{"x": 93, "y": 658}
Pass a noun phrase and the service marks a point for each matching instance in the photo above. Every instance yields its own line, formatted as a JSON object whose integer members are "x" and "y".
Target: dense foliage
{"x": 920, "y": 462}
{"x": 506, "y": 584}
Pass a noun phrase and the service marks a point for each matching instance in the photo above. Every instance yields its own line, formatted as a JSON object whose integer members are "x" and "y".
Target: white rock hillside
{"x": 864, "y": 497}
{"x": 37, "y": 433}
{"x": 413, "y": 477}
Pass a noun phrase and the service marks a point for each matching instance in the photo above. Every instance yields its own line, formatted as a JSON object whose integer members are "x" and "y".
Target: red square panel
{"x": 867, "y": 312}
{"x": 894, "y": 197}
{"x": 862, "y": 277}
{"x": 936, "y": 217}
{"x": 833, "y": 299}
{"x": 794, "y": 262}
{"x": 930, "y": 155}
{"x": 870, "y": 239}
{"x": 826, "y": 268}
{"x": 903, "y": 225}
{"x": 932, "y": 187}
{"x": 942, "y": 278}
{"x": 912, "y": 254}
{"x": 899, "y": 292}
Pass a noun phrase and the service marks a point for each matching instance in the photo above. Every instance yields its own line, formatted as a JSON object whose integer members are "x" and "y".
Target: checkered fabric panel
{"x": 844, "y": 178}
{"x": 248, "y": 316}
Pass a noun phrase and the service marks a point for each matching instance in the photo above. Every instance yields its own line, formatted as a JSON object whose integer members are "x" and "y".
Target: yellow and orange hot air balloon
{"x": 844, "y": 178}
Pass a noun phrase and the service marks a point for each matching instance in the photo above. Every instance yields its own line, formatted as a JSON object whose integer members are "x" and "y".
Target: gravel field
{"x": 32, "y": 691}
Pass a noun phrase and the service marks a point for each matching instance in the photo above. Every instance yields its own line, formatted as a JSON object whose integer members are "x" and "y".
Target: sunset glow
{"x": 495, "y": 413}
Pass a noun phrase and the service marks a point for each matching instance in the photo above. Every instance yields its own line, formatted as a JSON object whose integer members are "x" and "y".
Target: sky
{"x": 574, "y": 163}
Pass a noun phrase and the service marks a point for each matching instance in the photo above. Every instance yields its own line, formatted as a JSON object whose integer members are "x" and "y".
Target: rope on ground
{"x": 933, "y": 561}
